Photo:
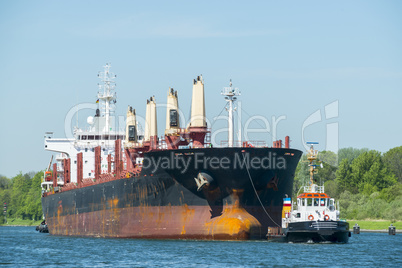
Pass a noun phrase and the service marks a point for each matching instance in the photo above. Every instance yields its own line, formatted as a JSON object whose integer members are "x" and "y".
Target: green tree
{"x": 330, "y": 188}
{"x": 344, "y": 178}
{"x": 369, "y": 173}
{"x": 389, "y": 194}
{"x": 32, "y": 204}
{"x": 394, "y": 210}
{"x": 4, "y": 182}
{"x": 329, "y": 158}
{"x": 327, "y": 171}
{"x": 350, "y": 153}
{"x": 302, "y": 175}
{"x": 21, "y": 185}
{"x": 393, "y": 161}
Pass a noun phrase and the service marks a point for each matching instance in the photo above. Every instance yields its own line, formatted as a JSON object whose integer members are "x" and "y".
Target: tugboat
{"x": 316, "y": 217}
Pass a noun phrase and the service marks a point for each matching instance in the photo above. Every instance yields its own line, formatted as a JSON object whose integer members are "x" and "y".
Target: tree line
{"x": 22, "y": 195}
{"x": 367, "y": 183}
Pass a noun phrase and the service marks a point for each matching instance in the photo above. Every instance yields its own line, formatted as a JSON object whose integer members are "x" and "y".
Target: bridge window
{"x": 132, "y": 133}
{"x": 173, "y": 118}
{"x": 83, "y": 137}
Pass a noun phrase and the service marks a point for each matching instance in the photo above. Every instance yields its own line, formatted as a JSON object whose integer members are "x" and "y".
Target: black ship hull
{"x": 165, "y": 201}
{"x": 317, "y": 232}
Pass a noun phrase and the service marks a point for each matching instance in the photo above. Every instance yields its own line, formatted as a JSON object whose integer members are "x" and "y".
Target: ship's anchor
{"x": 201, "y": 181}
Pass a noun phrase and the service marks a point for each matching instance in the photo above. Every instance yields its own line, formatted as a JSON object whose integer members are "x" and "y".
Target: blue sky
{"x": 289, "y": 58}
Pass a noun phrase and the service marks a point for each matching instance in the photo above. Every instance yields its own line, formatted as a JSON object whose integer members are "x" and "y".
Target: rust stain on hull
{"x": 178, "y": 222}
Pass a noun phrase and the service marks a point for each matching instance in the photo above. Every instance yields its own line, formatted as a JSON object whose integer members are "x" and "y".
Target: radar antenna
{"x": 230, "y": 94}
{"x": 106, "y": 95}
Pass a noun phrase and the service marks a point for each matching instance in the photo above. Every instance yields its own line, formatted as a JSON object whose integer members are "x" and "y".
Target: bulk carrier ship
{"x": 134, "y": 184}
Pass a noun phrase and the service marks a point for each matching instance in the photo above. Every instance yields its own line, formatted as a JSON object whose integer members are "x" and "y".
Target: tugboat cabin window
{"x": 97, "y": 137}
{"x": 91, "y": 137}
{"x": 83, "y": 137}
{"x": 112, "y": 137}
{"x": 105, "y": 137}
{"x": 309, "y": 202}
{"x": 331, "y": 205}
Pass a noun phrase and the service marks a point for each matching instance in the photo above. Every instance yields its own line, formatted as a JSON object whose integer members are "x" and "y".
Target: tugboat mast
{"x": 106, "y": 94}
{"x": 230, "y": 94}
{"x": 312, "y": 157}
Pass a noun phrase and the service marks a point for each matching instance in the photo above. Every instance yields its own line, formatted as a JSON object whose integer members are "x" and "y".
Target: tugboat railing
{"x": 313, "y": 189}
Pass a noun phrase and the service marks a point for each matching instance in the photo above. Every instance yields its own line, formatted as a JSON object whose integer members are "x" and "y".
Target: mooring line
{"x": 255, "y": 191}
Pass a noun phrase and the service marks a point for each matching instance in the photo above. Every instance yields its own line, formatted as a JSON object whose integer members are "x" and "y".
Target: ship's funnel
{"x": 198, "y": 104}
{"x": 131, "y": 126}
{"x": 151, "y": 129}
{"x": 172, "y": 113}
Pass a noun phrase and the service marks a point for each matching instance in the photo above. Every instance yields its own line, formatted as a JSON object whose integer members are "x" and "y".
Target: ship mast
{"x": 230, "y": 94}
{"x": 312, "y": 157}
{"x": 106, "y": 95}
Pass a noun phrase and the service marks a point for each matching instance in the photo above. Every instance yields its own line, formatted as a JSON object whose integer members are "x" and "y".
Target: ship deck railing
{"x": 238, "y": 143}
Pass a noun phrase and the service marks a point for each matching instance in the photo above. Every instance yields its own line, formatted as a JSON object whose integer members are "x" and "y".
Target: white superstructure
{"x": 101, "y": 131}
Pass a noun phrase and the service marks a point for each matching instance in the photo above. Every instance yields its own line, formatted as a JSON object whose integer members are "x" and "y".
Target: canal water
{"x": 24, "y": 247}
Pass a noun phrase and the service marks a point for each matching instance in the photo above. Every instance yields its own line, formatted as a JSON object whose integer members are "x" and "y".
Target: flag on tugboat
{"x": 287, "y": 207}
{"x": 287, "y": 202}
{"x": 97, "y": 101}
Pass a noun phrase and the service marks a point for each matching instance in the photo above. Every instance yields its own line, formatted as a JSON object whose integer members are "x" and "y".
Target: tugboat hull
{"x": 317, "y": 232}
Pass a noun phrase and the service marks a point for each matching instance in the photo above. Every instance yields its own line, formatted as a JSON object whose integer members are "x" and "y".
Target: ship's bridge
{"x": 104, "y": 137}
